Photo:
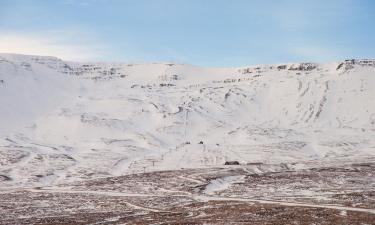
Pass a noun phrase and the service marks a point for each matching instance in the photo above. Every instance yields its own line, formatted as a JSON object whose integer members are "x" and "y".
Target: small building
{"x": 231, "y": 163}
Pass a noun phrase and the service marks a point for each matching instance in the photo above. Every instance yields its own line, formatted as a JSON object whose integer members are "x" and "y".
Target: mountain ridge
{"x": 64, "y": 121}
{"x": 352, "y": 61}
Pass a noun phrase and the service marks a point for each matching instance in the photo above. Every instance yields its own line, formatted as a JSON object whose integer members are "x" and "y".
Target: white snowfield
{"x": 62, "y": 121}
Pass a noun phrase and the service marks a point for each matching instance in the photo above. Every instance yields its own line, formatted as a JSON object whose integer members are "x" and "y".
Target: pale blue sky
{"x": 200, "y": 32}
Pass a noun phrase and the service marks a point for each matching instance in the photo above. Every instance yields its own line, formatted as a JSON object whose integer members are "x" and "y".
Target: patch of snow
{"x": 222, "y": 183}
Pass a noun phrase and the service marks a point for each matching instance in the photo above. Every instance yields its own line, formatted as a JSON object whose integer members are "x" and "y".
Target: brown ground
{"x": 170, "y": 197}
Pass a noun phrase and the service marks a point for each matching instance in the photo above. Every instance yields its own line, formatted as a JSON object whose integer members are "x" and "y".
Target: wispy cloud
{"x": 65, "y": 44}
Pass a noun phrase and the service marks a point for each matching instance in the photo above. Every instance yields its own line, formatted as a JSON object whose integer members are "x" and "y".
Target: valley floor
{"x": 321, "y": 193}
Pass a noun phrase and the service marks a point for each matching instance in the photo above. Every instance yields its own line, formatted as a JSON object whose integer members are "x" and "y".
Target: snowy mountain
{"x": 62, "y": 121}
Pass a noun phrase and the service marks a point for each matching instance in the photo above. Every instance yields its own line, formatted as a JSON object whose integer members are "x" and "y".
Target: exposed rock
{"x": 303, "y": 67}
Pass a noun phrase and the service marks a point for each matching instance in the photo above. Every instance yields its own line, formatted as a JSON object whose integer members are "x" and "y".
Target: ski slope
{"x": 65, "y": 121}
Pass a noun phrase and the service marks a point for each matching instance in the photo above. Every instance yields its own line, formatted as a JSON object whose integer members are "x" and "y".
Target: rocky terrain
{"x": 228, "y": 195}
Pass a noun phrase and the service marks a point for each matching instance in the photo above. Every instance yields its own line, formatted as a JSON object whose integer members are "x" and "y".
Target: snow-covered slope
{"x": 62, "y": 121}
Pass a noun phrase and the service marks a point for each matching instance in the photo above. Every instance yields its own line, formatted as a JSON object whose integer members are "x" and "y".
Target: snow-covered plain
{"x": 65, "y": 121}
